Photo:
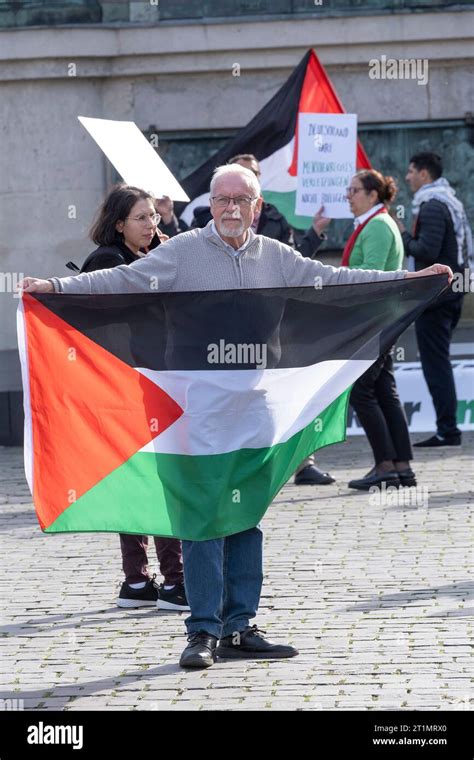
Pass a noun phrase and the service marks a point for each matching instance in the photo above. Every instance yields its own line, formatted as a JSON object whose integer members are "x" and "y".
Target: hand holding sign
{"x": 165, "y": 208}
{"x": 320, "y": 221}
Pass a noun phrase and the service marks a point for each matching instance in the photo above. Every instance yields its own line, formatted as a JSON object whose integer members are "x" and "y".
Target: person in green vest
{"x": 376, "y": 243}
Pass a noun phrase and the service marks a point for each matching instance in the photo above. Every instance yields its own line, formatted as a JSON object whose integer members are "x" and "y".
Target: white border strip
{"x": 25, "y": 376}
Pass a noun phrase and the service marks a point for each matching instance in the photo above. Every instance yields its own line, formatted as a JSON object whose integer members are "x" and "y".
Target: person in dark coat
{"x": 440, "y": 235}
{"x": 125, "y": 230}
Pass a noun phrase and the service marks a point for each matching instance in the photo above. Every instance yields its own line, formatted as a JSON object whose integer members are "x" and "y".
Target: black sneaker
{"x": 173, "y": 599}
{"x": 138, "y": 597}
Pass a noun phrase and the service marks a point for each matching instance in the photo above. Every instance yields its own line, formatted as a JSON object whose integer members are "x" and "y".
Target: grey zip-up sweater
{"x": 201, "y": 260}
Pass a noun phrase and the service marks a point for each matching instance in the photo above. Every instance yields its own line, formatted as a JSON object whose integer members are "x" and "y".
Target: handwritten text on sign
{"x": 327, "y": 145}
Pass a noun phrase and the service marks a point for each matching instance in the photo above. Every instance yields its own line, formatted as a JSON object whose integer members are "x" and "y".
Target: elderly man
{"x": 223, "y": 577}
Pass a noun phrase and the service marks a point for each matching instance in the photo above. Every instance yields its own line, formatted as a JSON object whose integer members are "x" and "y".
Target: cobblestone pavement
{"x": 377, "y": 598}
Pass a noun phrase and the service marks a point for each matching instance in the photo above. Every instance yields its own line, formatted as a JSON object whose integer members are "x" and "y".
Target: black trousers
{"x": 374, "y": 397}
{"x": 434, "y": 330}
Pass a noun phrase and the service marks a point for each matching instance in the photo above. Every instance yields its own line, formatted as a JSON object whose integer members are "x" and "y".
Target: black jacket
{"x": 434, "y": 241}
{"x": 108, "y": 256}
{"x": 272, "y": 224}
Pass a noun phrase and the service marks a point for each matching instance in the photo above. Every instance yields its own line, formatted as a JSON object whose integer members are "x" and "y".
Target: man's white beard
{"x": 231, "y": 230}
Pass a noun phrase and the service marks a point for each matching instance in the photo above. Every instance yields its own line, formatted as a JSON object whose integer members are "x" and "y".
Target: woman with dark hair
{"x": 376, "y": 243}
{"x": 125, "y": 229}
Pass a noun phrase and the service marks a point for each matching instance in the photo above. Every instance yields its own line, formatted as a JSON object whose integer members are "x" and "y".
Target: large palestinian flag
{"x": 183, "y": 414}
{"x": 272, "y": 137}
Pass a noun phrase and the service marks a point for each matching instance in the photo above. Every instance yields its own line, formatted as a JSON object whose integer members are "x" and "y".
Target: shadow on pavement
{"x": 43, "y": 624}
{"x": 34, "y": 698}
{"x": 463, "y": 591}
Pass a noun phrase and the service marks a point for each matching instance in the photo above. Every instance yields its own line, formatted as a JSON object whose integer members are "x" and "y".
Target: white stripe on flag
{"x": 274, "y": 168}
{"x": 228, "y": 410}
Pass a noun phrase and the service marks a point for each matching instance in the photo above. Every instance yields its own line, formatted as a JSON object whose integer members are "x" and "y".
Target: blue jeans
{"x": 223, "y": 580}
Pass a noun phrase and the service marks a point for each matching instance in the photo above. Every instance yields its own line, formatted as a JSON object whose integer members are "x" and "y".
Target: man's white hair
{"x": 222, "y": 171}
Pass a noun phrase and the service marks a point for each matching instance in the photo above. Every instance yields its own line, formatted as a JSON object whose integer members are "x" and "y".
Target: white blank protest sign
{"x": 133, "y": 157}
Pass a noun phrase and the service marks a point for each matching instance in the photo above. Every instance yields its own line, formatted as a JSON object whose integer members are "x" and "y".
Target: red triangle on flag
{"x": 90, "y": 411}
{"x": 319, "y": 96}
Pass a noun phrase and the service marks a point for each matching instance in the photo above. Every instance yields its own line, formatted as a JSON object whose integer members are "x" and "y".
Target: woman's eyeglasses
{"x": 145, "y": 218}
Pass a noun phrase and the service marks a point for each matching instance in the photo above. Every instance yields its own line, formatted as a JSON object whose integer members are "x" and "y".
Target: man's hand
{"x": 33, "y": 285}
{"x": 164, "y": 206}
{"x": 320, "y": 222}
{"x": 433, "y": 269}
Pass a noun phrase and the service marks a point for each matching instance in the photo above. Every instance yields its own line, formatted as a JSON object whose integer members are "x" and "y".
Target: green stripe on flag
{"x": 198, "y": 497}
{"x": 285, "y": 203}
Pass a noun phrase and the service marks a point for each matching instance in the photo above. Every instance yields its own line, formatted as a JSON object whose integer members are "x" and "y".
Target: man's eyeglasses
{"x": 222, "y": 201}
{"x": 145, "y": 218}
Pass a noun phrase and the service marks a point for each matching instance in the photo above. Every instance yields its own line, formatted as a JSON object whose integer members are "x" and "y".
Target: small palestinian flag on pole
{"x": 272, "y": 136}
{"x": 183, "y": 414}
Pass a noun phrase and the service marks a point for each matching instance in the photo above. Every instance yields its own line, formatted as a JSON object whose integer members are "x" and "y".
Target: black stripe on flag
{"x": 271, "y": 129}
{"x": 290, "y": 327}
